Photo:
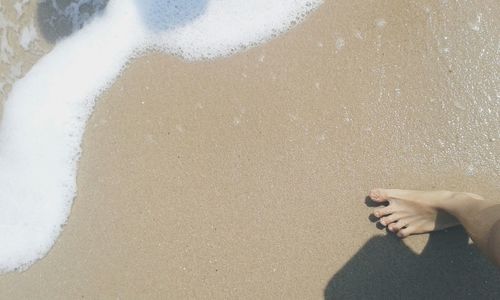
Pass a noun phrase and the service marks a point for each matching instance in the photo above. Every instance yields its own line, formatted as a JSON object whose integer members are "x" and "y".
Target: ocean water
{"x": 47, "y": 107}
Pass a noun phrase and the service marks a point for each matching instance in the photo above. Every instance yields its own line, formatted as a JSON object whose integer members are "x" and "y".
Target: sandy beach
{"x": 245, "y": 177}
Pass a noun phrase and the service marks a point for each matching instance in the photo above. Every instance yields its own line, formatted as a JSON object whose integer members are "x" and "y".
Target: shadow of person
{"x": 60, "y": 18}
{"x": 163, "y": 15}
{"x": 447, "y": 268}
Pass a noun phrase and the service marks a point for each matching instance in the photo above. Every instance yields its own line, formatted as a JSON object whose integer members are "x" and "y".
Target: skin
{"x": 408, "y": 212}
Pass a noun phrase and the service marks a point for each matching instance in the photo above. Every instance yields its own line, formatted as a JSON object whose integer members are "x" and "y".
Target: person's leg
{"x": 494, "y": 243}
{"x": 413, "y": 212}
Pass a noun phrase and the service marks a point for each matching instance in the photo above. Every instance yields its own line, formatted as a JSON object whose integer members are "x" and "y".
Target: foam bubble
{"x": 339, "y": 43}
{"x": 45, "y": 114}
{"x": 380, "y": 23}
{"x": 28, "y": 36}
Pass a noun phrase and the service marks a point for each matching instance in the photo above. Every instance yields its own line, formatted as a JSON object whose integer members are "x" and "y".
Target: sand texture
{"x": 246, "y": 177}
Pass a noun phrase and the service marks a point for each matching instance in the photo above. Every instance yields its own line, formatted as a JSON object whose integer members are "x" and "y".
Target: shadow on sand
{"x": 58, "y": 19}
{"x": 448, "y": 268}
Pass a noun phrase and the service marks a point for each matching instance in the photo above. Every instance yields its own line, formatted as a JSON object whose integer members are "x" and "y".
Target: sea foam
{"x": 46, "y": 111}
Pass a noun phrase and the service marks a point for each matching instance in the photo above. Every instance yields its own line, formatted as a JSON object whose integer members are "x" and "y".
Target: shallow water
{"x": 362, "y": 94}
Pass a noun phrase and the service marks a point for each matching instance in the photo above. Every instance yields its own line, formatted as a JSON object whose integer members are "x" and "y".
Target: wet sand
{"x": 246, "y": 177}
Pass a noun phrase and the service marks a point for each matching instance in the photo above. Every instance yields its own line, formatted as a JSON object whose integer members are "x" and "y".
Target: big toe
{"x": 378, "y": 195}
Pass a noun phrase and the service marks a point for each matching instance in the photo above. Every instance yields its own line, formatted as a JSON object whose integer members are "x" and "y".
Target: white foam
{"x": 28, "y": 36}
{"x": 380, "y": 23}
{"x": 339, "y": 43}
{"x": 45, "y": 114}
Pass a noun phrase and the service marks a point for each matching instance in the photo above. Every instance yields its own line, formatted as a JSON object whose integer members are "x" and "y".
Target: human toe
{"x": 405, "y": 232}
{"x": 380, "y": 212}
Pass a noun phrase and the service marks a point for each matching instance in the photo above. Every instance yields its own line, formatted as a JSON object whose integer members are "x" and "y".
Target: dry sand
{"x": 245, "y": 177}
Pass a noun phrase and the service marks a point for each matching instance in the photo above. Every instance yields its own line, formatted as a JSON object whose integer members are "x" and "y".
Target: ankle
{"x": 460, "y": 203}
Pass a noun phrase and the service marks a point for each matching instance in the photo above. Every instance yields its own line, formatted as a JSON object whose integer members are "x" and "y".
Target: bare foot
{"x": 414, "y": 212}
